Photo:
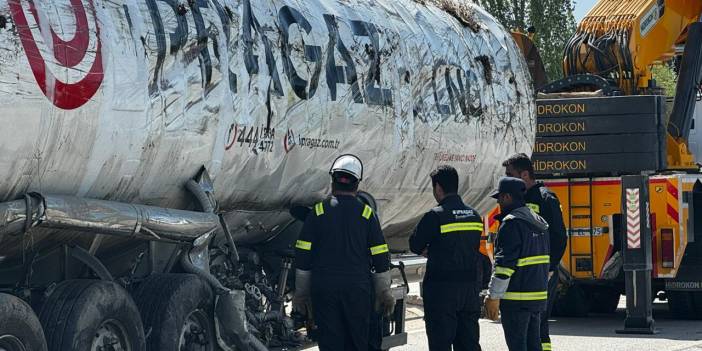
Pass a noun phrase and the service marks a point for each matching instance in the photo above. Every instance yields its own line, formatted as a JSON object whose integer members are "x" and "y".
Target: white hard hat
{"x": 348, "y": 164}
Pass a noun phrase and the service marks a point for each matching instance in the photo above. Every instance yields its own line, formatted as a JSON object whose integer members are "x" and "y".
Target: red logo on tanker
{"x": 233, "y": 132}
{"x": 67, "y": 53}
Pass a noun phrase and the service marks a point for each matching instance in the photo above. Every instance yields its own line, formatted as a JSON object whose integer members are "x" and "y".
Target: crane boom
{"x": 621, "y": 39}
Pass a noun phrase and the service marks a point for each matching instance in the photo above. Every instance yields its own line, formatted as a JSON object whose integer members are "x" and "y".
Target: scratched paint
{"x": 125, "y": 100}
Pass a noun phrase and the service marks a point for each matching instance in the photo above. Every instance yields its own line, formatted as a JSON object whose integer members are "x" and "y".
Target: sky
{"x": 582, "y": 7}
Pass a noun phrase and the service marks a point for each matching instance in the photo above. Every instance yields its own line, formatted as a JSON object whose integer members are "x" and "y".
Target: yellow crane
{"x": 584, "y": 145}
{"x": 620, "y": 40}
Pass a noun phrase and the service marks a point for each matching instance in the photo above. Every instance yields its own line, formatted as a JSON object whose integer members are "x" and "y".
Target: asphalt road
{"x": 595, "y": 333}
{"x": 587, "y": 334}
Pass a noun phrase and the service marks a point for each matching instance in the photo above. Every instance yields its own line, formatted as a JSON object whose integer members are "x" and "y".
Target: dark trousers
{"x": 451, "y": 312}
{"x": 545, "y": 336}
{"x": 376, "y": 332}
{"x": 521, "y": 329}
{"x": 342, "y": 313}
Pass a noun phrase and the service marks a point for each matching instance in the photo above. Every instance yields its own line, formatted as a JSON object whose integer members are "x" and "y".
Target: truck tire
{"x": 684, "y": 304}
{"x": 20, "y": 329}
{"x": 91, "y": 315}
{"x": 604, "y": 299}
{"x": 178, "y": 313}
{"x": 574, "y": 303}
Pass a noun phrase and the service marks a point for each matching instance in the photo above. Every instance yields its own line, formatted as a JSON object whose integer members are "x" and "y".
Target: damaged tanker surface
{"x": 157, "y": 156}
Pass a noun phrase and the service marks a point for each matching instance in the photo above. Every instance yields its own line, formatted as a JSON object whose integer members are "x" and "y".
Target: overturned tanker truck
{"x": 151, "y": 152}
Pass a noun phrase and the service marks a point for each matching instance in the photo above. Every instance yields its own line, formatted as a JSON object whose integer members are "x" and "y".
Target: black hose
{"x": 28, "y": 213}
{"x": 219, "y": 289}
{"x": 233, "y": 252}
{"x": 207, "y": 206}
{"x": 200, "y": 195}
{"x": 189, "y": 267}
{"x": 33, "y": 203}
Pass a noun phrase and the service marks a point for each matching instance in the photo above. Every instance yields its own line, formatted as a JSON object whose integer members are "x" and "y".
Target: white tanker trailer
{"x": 151, "y": 152}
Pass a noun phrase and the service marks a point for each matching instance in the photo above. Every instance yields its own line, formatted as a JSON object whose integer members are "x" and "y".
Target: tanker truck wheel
{"x": 91, "y": 315}
{"x": 20, "y": 329}
{"x": 178, "y": 313}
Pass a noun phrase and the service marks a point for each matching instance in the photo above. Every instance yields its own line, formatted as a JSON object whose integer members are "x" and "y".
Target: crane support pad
{"x": 603, "y": 135}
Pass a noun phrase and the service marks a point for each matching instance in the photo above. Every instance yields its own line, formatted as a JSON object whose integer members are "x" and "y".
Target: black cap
{"x": 509, "y": 185}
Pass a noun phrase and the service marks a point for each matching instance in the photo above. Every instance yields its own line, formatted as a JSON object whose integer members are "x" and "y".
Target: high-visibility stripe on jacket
{"x": 342, "y": 237}
{"x": 522, "y": 257}
{"x": 461, "y": 227}
{"x": 451, "y": 234}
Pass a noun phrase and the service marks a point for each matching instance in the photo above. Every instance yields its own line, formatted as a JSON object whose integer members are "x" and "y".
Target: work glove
{"x": 384, "y": 301}
{"x": 302, "y": 300}
{"x": 492, "y": 308}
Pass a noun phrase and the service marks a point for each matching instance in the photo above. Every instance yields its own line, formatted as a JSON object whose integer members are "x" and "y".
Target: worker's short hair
{"x": 447, "y": 177}
{"x": 520, "y": 162}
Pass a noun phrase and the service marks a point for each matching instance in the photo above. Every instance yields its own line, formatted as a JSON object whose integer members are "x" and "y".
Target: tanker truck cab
{"x": 151, "y": 152}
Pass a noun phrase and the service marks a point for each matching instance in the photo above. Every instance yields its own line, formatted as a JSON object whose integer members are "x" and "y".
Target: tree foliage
{"x": 553, "y": 20}
{"x": 665, "y": 78}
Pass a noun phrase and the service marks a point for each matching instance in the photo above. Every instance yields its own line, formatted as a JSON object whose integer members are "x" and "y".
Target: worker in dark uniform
{"x": 518, "y": 287}
{"x": 545, "y": 203}
{"x": 341, "y": 241}
{"x": 449, "y": 236}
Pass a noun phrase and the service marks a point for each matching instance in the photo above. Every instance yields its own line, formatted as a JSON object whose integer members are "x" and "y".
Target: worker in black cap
{"x": 341, "y": 241}
{"x": 449, "y": 236}
{"x": 518, "y": 286}
{"x": 545, "y": 203}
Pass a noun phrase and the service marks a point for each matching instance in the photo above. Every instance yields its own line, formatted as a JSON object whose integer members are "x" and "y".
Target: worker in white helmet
{"x": 341, "y": 241}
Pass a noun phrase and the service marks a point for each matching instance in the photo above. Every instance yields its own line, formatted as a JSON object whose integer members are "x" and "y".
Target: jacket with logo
{"x": 451, "y": 233}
